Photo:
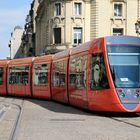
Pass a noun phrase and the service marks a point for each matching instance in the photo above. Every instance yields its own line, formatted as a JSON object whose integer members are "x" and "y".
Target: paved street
{"x": 29, "y": 119}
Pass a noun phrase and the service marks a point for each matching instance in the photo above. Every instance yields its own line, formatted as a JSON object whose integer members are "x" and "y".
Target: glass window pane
{"x": 58, "y": 9}
{"x": 98, "y": 73}
{"x": 78, "y": 9}
{"x": 20, "y": 75}
{"x": 1, "y": 75}
{"x": 59, "y": 74}
{"x": 57, "y": 35}
{"x": 118, "y": 10}
{"x": 40, "y": 74}
{"x": 117, "y": 31}
{"x": 78, "y": 67}
{"x": 124, "y": 59}
{"x": 125, "y": 65}
{"x": 11, "y": 76}
{"x": 77, "y": 35}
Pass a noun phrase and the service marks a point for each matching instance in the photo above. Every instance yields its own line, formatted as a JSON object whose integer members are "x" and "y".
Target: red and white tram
{"x": 100, "y": 75}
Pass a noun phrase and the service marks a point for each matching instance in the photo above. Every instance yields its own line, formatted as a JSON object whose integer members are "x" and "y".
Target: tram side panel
{"x": 59, "y": 80}
{"x": 101, "y": 92}
{"x": 3, "y": 77}
{"x": 59, "y": 76}
{"x": 78, "y": 80}
{"x": 41, "y": 77}
{"x": 19, "y": 77}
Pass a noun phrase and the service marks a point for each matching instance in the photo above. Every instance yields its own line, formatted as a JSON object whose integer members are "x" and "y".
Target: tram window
{"x": 41, "y": 74}
{"x": 21, "y": 75}
{"x": 56, "y": 79}
{"x": 18, "y": 75}
{"x": 25, "y": 75}
{"x": 11, "y": 76}
{"x": 24, "y": 78}
{"x": 62, "y": 79}
{"x": 1, "y": 75}
{"x": 78, "y": 68}
{"x": 59, "y": 74}
{"x": 98, "y": 73}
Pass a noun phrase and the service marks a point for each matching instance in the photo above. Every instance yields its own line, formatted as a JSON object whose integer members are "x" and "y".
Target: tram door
{"x": 41, "y": 76}
{"x": 3, "y": 80}
{"x": 19, "y": 81}
{"x": 11, "y": 80}
{"x": 78, "y": 81}
{"x": 25, "y": 81}
{"x": 98, "y": 81}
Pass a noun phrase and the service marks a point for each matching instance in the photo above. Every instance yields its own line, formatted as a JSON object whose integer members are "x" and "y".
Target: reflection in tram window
{"x": 11, "y": 76}
{"x": 1, "y": 75}
{"x": 59, "y": 74}
{"x": 18, "y": 75}
{"x": 40, "y": 74}
{"x": 98, "y": 73}
{"x": 56, "y": 79}
{"x": 78, "y": 68}
{"x": 25, "y": 77}
{"x": 62, "y": 79}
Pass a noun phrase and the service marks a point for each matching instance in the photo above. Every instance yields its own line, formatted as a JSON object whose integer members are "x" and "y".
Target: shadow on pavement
{"x": 60, "y": 107}
{"x": 65, "y": 108}
{"x": 69, "y": 109}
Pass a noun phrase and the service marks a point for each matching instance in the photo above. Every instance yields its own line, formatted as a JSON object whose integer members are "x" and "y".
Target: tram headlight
{"x": 121, "y": 93}
{"x": 137, "y": 90}
{"x": 137, "y": 94}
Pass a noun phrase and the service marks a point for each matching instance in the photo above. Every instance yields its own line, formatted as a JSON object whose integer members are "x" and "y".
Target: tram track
{"x": 6, "y": 105}
{"x": 127, "y": 120}
{"x": 14, "y": 132}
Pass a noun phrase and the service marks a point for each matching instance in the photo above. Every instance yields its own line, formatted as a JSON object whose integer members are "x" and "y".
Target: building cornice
{"x": 118, "y": 1}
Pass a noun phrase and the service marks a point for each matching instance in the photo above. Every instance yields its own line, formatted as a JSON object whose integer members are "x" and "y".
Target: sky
{"x": 12, "y": 13}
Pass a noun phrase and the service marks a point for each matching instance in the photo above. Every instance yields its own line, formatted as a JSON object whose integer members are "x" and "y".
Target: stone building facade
{"x": 54, "y": 25}
{"x": 29, "y": 35}
{"x": 114, "y": 17}
{"x": 15, "y": 43}
{"x": 62, "y": 24}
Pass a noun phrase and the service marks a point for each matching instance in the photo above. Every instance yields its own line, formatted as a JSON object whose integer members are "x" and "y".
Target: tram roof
{"x": 125, "y": 40}
{"x": 62, "y": 54}
{"x": 81, "y": 48}
{"x": 21, "y": 61}
{"x": 44, "y": 58}
{"x": 3, "y": 62}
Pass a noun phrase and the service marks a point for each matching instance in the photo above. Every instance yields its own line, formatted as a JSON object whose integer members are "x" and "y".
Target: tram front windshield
{"x": 125, "y": 65}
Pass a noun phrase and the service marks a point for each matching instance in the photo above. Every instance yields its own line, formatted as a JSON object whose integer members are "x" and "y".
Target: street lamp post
{"x": 9, "y": 45}
{"x": 137, "y": 27}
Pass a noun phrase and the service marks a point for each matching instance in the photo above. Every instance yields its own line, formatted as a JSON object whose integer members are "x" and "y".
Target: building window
{"x": 118, "y": 8}
{"x": 78, "y": 9}
{"x": 77, "y": 35}
{"x": 117, "y": 31}
{"x": 57, "y": 35}
{"x": 58, "y": 9}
